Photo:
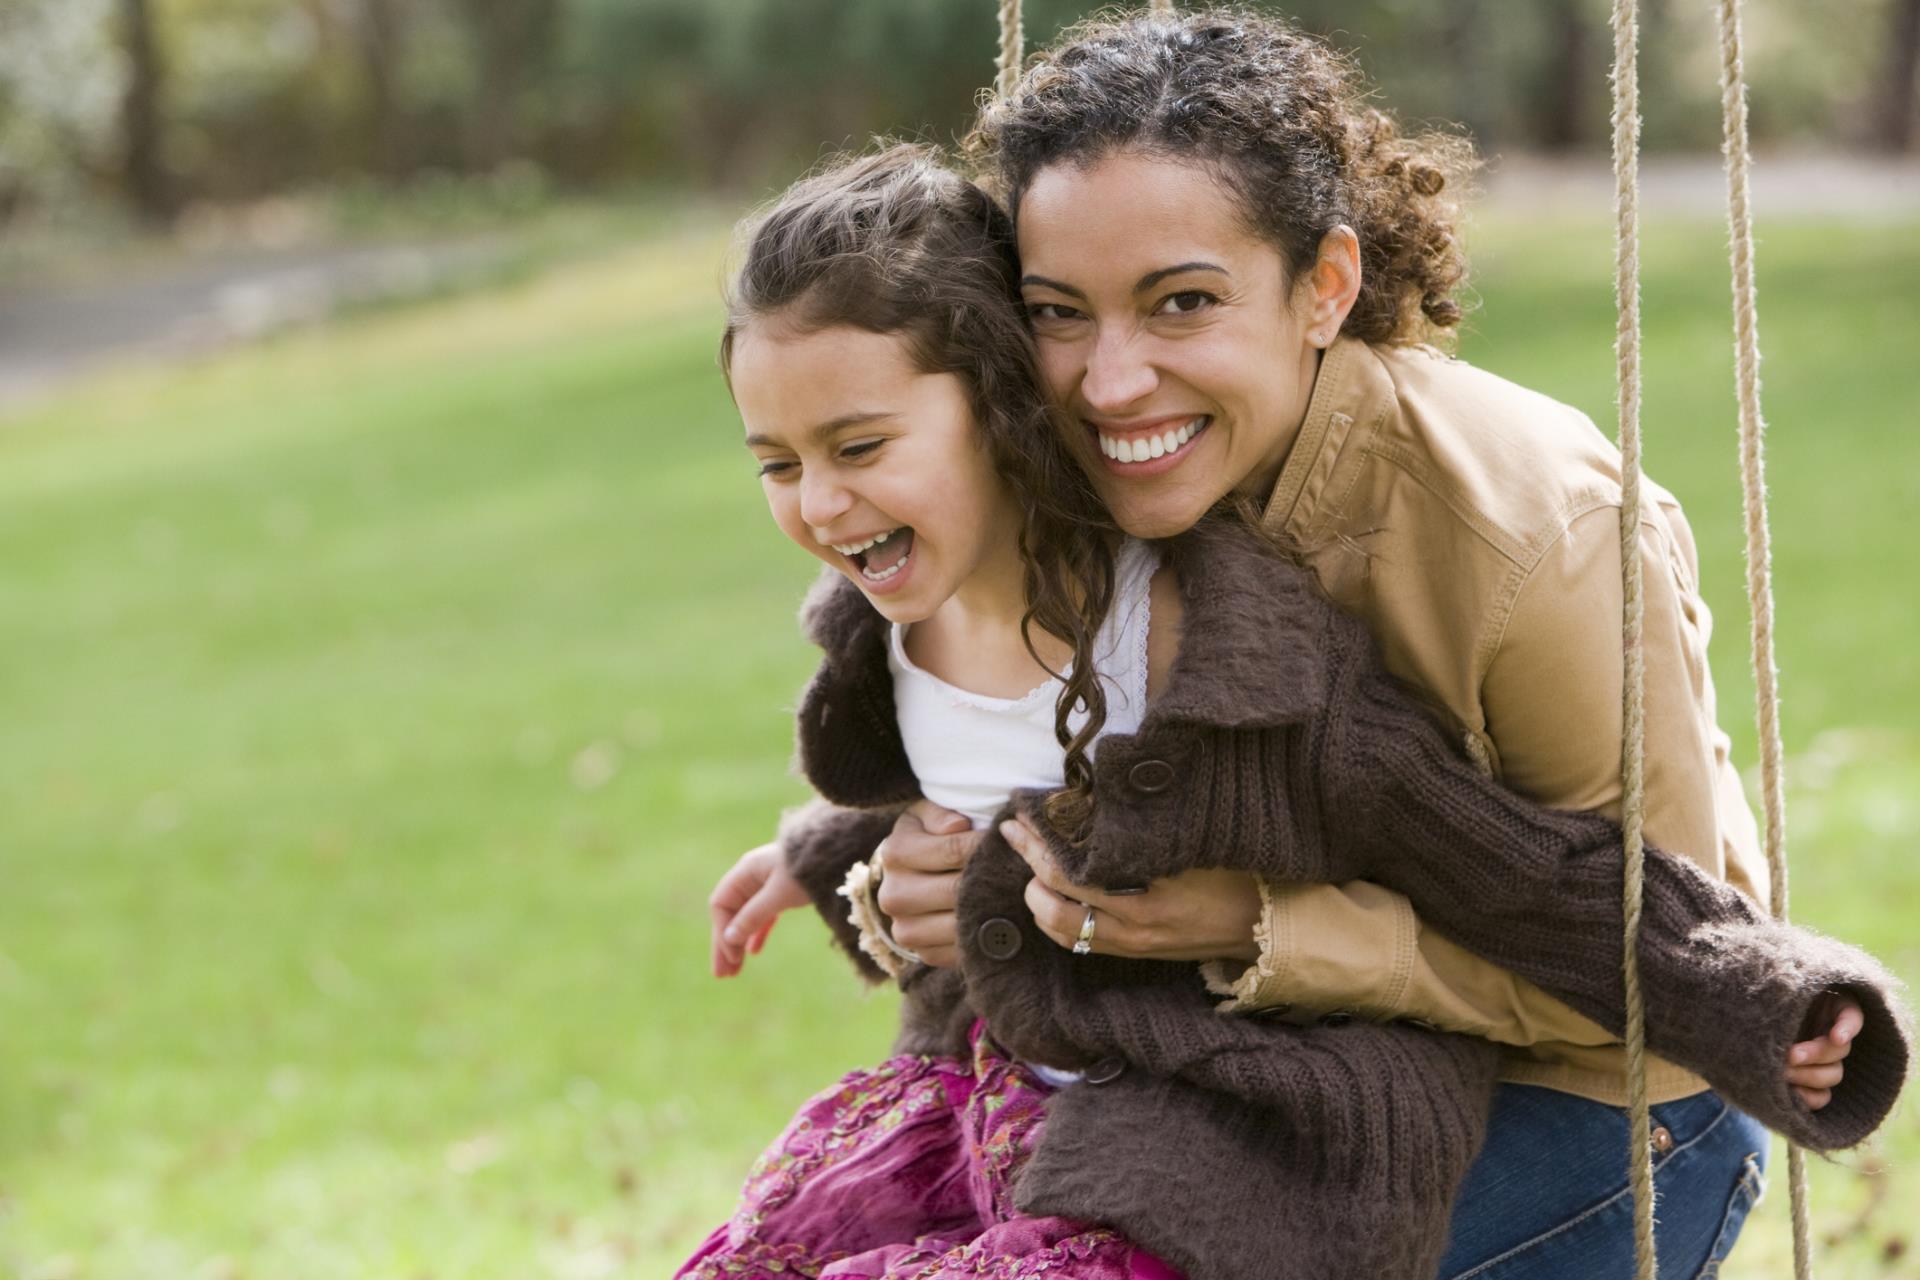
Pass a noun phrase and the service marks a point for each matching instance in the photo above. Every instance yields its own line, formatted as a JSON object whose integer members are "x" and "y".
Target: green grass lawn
{"x": 381, "y": 703}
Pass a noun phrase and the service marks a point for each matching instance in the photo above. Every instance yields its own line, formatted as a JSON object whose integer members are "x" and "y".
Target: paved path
{"x": 52, "y": 333}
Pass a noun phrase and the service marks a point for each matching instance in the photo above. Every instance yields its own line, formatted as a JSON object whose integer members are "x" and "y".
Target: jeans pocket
{"x": 1747, "y": 1190}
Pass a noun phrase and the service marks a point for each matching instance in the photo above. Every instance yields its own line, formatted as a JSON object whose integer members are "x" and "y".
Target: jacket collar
{"x": 1352, "y": 387}
{"x": 1252, "y": 655}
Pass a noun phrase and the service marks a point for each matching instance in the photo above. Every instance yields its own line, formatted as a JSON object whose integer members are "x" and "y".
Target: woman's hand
{"x": 920, "y": 882}
{"x": 745, "y": 904}
{"x": 1814, "y": 1066}
{"x": 1196, "y": 915}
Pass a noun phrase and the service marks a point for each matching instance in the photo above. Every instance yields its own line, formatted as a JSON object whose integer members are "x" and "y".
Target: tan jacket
{"x": 1474, "y": 525}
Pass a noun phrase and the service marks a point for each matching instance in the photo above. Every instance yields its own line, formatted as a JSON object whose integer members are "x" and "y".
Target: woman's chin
{"x": 1155, "y": 515}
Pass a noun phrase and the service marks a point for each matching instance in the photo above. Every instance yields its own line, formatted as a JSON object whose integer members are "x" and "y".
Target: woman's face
{"x": 1168, "y": 331}
{"x": 871, "y": 465}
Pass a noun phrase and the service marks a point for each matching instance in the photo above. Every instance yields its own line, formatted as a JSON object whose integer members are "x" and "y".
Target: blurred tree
{"x": 149, "y": 188}
{"x": 61, "y": 82}
{"x": 1894, "y": 109}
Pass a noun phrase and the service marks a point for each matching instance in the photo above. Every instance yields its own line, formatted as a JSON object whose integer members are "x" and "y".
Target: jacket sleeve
{"x": 1538, "y": 891}
{"x": 822, "y": 842}
{"x": 1558, "y": 664}
{"x": 1359, "y": 948}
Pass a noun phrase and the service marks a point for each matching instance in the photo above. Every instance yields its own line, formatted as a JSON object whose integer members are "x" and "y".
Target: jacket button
{"x": 1150, "y": 776}
{"x": 1338, "y": 1018}
{"x": 1105, "y": 1071}
{"x": 1662, "y": 1139}
{"x": 999, "y": 939}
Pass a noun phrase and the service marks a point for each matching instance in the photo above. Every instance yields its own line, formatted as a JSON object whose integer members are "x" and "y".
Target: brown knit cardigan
{"x": 1239, "y": 1147}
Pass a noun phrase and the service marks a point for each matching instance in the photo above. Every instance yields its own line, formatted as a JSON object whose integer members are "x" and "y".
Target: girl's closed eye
{"x": 861, "y": 449}
{"x": 776, "y": 468}
{"x": 1042, "y": 312}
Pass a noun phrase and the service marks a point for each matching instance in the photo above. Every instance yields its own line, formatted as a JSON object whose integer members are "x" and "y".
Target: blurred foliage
{"x": 262, "y": 96}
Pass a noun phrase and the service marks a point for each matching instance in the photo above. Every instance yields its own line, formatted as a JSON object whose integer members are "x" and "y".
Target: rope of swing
{"x": 1626, "y": 345}
{"x": 1626, "y": 143}
{"x": 1766, "y": 674}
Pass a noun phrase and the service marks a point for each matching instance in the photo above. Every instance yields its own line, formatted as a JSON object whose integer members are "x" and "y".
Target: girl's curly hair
{"x": 895, "y": 242}
{"x": 1282, "y": 119}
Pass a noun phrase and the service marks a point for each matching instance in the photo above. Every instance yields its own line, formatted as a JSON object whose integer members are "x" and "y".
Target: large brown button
{"x": 999, "y": 939}
{"x": 1150, "y": 776}
{"x": 1662, "y": 1139}
{"x": 1105, "y": 1071}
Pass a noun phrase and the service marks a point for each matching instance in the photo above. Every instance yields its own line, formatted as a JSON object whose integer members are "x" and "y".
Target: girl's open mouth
{"x": 883, "y": 565}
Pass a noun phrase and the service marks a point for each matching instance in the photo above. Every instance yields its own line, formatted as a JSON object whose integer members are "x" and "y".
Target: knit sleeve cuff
{"x": 861, "y": 890}
{"x": 1257, "y": 986}
{"x": 821, "y": 842}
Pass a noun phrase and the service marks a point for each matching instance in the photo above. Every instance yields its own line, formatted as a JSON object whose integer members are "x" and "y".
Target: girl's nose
{"x": 823, "y": 499}
{"x": 1117, "y": 376}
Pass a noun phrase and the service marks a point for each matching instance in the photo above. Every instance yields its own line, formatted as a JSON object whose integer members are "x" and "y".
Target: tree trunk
{"x": 1893, "y": 123}
{"x": 144, "y": 179}
{"x": 1563, "y": 97}
{"x": 514, "y": 43}
{"x": 378, "y": 40}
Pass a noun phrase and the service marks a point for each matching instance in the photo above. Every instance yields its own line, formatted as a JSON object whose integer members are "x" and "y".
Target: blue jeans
{"x": 1548, "y": 1195}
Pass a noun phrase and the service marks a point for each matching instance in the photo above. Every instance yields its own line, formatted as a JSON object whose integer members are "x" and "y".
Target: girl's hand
{"x": 1814, "y": 1066}
{"x": 1202, "y": 914}
{"x": 745, "y": 904}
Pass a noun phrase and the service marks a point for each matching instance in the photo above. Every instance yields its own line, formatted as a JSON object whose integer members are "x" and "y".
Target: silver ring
{"x": 1084, "y": 943}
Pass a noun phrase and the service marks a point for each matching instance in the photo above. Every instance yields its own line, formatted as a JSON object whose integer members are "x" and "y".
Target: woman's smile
{"x": 1149, "y": 448}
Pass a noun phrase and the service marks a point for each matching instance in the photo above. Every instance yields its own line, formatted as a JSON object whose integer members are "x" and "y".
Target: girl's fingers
{"x": 1817, "y": 1052}
{"x": 760, "y": 938}
{"x": 756, "y": 917}
{"x": 1822, "y": 1077}
{"x": 1848, "y": 1024}
{"x": 1815, "y": 1098}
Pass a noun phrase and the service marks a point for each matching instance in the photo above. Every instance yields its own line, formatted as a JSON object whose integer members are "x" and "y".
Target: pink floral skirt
{"x": 906, "y": 1172}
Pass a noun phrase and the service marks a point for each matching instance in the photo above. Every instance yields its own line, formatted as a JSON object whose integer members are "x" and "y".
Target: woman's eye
{"x": 1187, "y": 303}
{"x": 861, "y": 449}
{"x": 775, "y": 469}
{"x": 1042, "y": 311}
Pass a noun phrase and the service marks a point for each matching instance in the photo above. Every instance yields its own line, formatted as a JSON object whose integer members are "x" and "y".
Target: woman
{"x": 1204, "y": 211}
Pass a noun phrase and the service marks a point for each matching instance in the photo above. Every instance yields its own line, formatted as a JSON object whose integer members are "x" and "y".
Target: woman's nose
{"x": 1117, "y": 375}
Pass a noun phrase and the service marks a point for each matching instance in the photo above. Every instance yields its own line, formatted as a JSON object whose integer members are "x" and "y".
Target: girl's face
{"x": 1168, "y": 331}
{"x": 871, "y": 465}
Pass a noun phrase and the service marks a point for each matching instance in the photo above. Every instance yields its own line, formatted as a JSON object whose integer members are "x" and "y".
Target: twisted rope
{"x": 1626, "y": 172}
{"x": 1013, "y": 43}
{"x": 1746, "y": 332}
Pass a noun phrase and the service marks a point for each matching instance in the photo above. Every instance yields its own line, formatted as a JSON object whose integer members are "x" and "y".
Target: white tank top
{"x": 970, "y": 751}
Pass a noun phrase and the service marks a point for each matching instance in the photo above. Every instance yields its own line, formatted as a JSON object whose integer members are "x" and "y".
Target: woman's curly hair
{"x": 895, "y": 242}
{"x": 1281, "y": 118}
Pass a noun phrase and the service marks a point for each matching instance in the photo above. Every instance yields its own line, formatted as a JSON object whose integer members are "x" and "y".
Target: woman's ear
{"x": 1330, "y": 286}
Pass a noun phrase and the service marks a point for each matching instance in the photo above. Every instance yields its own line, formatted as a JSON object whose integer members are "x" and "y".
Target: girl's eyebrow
{"x": 822, "y": 430}
{"x": 1145, "y": 282}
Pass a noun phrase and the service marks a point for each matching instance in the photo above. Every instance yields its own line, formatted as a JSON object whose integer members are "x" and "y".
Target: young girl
{"x": 887, "y": 387}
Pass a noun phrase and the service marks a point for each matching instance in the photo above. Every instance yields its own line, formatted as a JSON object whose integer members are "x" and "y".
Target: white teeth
{"x": 1142, "y": 449}
{"x": 887, "y": 572}
{"x": 855, "y": 548}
